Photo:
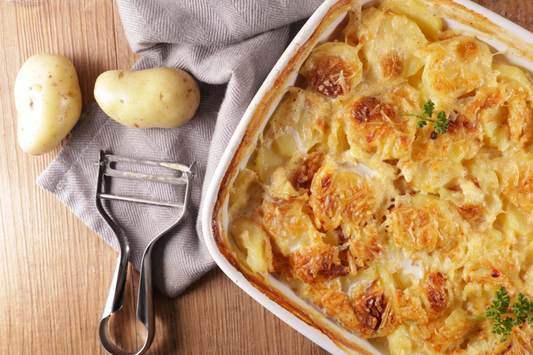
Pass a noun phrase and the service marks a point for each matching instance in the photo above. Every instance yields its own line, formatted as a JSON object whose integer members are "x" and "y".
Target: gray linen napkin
{"x": 229, "y": 46}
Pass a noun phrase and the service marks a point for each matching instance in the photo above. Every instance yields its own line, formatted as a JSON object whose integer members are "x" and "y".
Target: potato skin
{"x": 48, "y": 102}
{"x": 158, "y": 97}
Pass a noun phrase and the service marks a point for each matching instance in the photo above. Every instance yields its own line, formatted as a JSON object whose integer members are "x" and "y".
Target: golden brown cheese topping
{"x": 340, "y": 197}
{"x": 333, "y": 69}
{"x": 421, "y": 222}
{"x": 374, "y": 126}
{"x": 456, "y": 67}
{"x": 389, "y": 229}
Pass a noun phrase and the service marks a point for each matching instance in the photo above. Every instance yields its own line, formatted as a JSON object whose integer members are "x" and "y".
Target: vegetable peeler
{"x": 145, "y": 309}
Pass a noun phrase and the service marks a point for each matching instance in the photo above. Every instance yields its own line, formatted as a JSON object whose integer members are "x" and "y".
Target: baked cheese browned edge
{"x": 446, "y": 9}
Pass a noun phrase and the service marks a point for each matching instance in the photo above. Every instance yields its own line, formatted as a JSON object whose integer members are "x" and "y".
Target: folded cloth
{"x": 229, "y": 46}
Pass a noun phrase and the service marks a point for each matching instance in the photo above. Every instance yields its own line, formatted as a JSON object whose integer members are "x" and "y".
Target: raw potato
{"x": 158, "y": 97}
{"x": 48, "y": 101}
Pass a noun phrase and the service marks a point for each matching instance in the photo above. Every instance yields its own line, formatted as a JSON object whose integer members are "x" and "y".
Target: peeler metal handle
{"x": 115, "y": 297}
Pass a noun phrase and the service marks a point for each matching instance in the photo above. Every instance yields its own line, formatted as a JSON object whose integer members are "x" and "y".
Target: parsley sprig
{"x": 522, "y": 311}
{"x": 440, "y": 124}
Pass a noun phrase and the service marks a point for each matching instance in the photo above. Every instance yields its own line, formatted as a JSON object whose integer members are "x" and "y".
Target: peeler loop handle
{"x": 145, "y": 305}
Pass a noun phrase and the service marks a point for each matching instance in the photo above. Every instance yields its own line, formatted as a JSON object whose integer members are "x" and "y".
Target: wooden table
{"x": 56, "y": 271}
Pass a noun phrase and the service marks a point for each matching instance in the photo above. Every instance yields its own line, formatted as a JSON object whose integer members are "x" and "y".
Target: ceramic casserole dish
{"x": 384, "y": 316}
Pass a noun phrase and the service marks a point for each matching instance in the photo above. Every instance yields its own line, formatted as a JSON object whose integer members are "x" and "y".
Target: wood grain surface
{"x": 56, "y": 271}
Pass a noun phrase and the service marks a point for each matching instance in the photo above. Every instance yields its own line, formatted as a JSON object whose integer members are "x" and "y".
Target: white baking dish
{"x": 504, "y": 36}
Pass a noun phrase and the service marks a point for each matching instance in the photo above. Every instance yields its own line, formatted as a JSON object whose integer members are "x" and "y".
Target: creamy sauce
{"x": 360, "y": 169}
{"x": 296, "y": 137}
{"x": 412, "y": 267}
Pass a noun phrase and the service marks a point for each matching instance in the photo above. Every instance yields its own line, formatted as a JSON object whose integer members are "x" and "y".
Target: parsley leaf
{"x": 428, "y": 108}
{"x": 503, "y": 328}
{"x": 421, "y": 123}
{"x": 522, "y": 311}
{"x": 441, "y": 124}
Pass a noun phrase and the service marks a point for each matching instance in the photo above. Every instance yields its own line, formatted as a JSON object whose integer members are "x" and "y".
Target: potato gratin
{"x": 400, "y": 237}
